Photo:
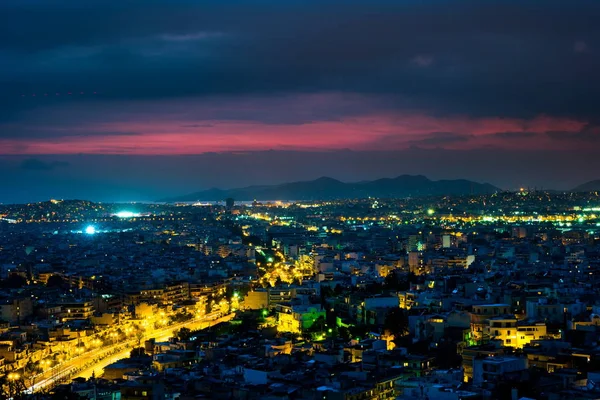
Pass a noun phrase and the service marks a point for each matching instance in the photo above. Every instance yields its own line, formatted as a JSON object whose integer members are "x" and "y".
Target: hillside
{"x": 326, "y": 188}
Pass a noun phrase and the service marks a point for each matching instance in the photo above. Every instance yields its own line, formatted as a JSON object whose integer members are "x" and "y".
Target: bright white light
{"x": 90, "y": 230}
{"x": 127, "y": 214}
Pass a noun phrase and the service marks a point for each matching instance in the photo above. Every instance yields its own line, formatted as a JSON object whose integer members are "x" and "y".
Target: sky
{"x": 118, "y": 100}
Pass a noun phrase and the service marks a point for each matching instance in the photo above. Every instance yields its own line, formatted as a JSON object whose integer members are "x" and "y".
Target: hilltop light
{"x": 126, "y": 214}
{"x": 90, "y": 230}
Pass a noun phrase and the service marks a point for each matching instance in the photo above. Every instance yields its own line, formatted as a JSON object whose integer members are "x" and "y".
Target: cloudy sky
{"x": 129, "y": 100}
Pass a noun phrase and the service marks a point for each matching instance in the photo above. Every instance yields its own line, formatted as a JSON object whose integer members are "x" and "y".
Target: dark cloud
{"x": 468, "y": 57}
{"x": 422, "y": 60}
{"x": 441, "y": 138}
{"x": 67, "y": 118}
{"x": 22, "y": 132}
{"x": 515, "y": 135}
{"x": 198, "y": 126}
{"x": 39, "y": 165}
{"x": 581, "y": 47}
{"x": 434, "y": 140}
{"x": 590, "y": 133}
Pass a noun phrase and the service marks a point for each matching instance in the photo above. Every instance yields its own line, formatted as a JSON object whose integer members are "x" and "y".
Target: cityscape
{"x": 453, "y": 297}
{"x": 299, "y": 200}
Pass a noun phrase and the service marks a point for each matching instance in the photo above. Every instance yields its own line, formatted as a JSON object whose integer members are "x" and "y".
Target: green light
{"x": 265, "y": 313}
{"x": 430, "y": 211}
{"x": 329, "y": 330}
{"x": 270, "y": 259}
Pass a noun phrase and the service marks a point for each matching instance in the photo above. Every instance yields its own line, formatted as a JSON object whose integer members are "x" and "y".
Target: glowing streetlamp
{"x": 45, "y": 364}
{"x": 13, "y": 376}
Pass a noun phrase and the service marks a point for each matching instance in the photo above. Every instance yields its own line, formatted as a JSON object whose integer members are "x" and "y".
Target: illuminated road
{"x": 94, "y": 361}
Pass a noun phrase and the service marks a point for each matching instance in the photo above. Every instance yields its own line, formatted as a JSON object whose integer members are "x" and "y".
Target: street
{"x": 93, "y": 362}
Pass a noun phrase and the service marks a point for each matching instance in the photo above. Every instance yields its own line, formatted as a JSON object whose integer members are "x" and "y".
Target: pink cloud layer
{"x": 181, "y": 135}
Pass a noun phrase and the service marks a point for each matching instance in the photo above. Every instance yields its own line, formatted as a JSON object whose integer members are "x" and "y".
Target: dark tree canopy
{"x": 55, "y": 281}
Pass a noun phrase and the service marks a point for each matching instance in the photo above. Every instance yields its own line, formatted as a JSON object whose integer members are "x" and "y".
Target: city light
{"x": 126, "y": 214}
{"x": 281, "y": 281}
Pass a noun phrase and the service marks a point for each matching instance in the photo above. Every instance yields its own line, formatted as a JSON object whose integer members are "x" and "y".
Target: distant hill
{"x": 592, "y": 186}
{"x": 329, "y": 189}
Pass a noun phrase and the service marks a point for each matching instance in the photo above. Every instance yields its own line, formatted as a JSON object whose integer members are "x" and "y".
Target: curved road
{"x": 93, "y": 362}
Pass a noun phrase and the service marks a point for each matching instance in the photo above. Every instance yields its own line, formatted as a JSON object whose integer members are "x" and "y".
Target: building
{"x": 544, "y": 309}
{"x": 491, "y": 369}
{"x": 16, "y": 309}
{"x": 513, "y": 333}
{"x": 480, "y": 315}
{"x": 297, "y": 319}
{"x": 256, "y": 300}
{"x": 143, "y": 388}
{"x": 76, "y": 310}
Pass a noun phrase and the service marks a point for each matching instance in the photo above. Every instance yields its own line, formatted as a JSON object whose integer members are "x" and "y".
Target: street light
{"x": 13, "y": 377}
{"x": 45, "y": 364}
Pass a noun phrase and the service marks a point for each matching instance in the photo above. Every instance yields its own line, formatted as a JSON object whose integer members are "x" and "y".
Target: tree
{"x": 31, "y": 368}
{"x": 137, "y": 352}
{"x": 318, "y": 325}
{"x": 326, "y": 292}
{"x": 55, "y": 281}
{"x": 358, "y": 331}
{"x": 446, "y": 355}
{"x": 344, "y": 333}
{"x": 14, "y": 281}
{"x": 13, "y": 386}
{"x": 394, "y": 282}
{"x": 139, "y": 335}
{"x": 396, "y": 321}
{"x": 249, "y": 321}
{"x": 183, "y": 334}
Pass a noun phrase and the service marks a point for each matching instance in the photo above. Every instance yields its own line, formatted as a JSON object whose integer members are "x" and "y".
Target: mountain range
{"x": 591, "y": 186}
{"x": 326, "y": 188}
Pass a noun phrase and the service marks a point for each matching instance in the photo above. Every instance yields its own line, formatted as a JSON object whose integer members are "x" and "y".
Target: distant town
{"x": 479, "y": 296}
